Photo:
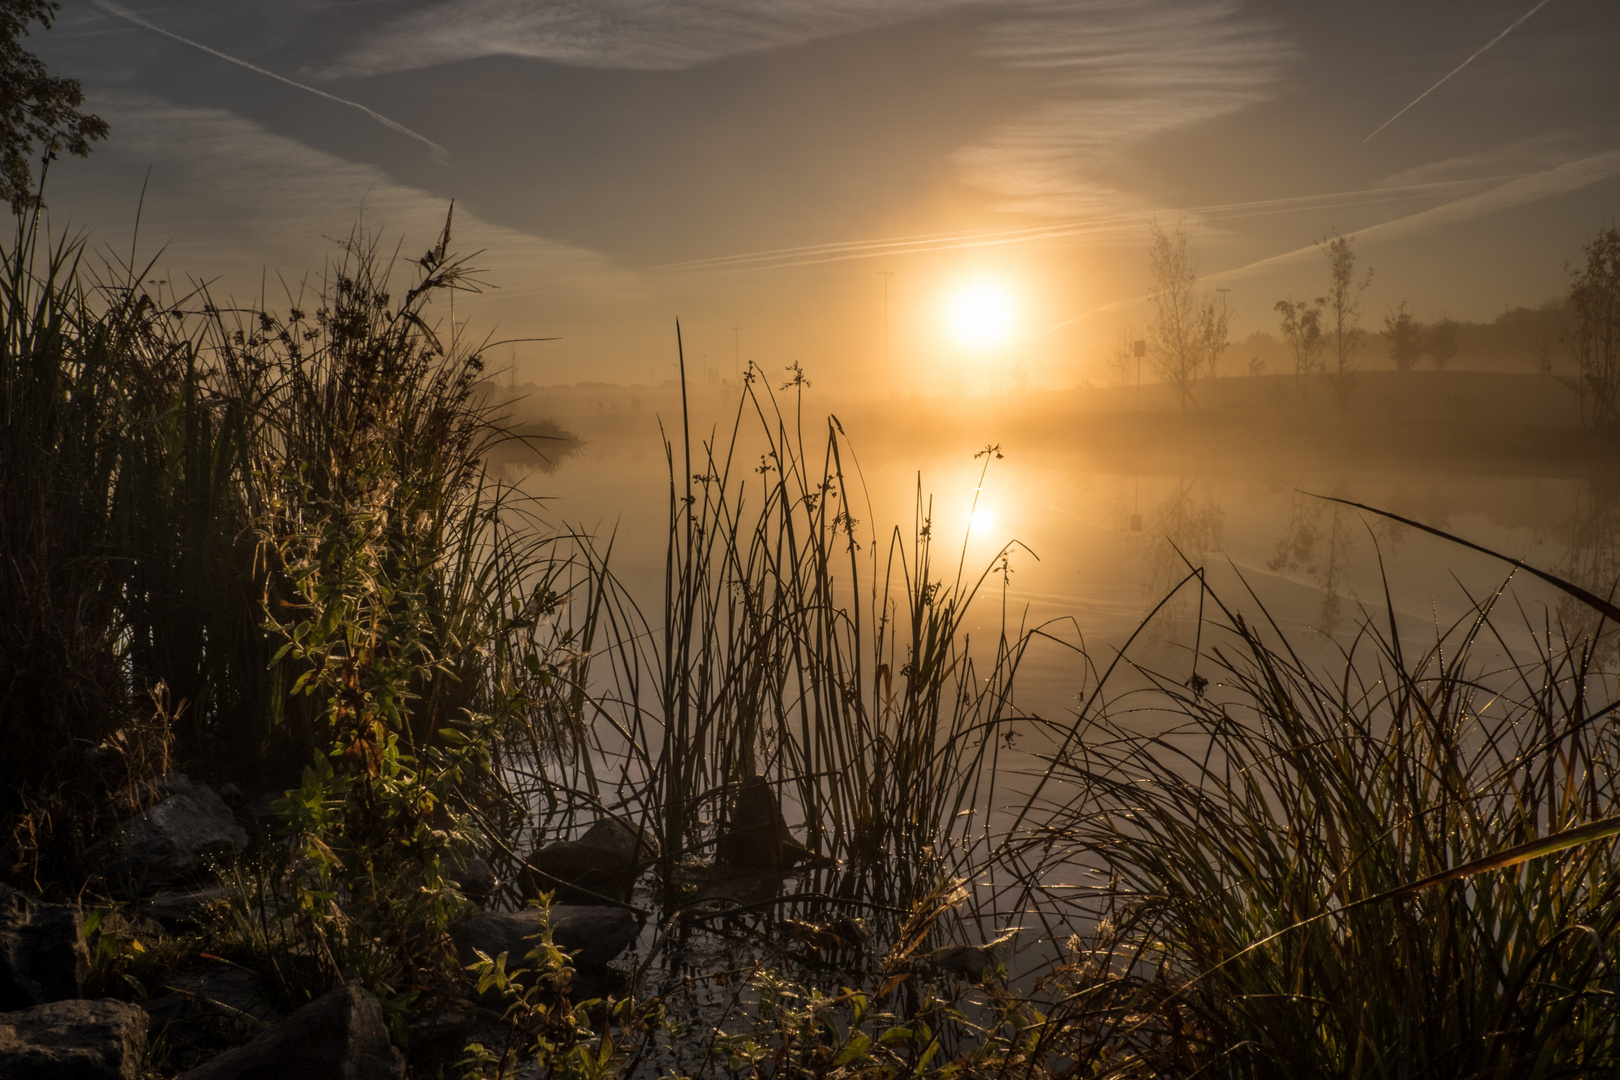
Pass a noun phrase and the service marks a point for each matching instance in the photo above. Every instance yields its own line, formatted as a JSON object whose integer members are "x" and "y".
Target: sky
{"x": 815, "y": 181}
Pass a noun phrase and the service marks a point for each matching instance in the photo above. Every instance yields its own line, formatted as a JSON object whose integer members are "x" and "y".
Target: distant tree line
{"x": 1574, "y": 338}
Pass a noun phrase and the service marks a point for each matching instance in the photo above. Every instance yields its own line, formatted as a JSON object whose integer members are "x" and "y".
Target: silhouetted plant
{"x": 39, "y": 112}
{"x": 1594, "y": 295}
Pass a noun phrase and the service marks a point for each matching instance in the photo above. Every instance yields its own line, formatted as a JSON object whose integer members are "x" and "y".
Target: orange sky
{"x": 735, "y": 164}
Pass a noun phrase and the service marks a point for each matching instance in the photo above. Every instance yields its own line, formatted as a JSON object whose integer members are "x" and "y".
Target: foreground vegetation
{"x": 261, "y": 546}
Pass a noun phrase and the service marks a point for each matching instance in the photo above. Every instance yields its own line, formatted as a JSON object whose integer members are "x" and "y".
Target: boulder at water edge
{"x": 605, "y": 862}
{"x": 342, "y": 1035}
{"x": 591, "y": 934}
{"x": 73, "y": 1040}
{"x": 42, "y": 951}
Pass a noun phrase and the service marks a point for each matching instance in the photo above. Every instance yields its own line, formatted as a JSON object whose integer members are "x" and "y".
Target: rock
{"x": 592, "y": 934}
{"x": 712, "y": 890}
{"x": 42, "y": 951}
{"x": 966, "y": 961}
{"x": 209, "y": 1008}
{"x": 439, "y": 1037}
{"x": 963, "y": 961}
{"x": 342, "y": 1035}
{"x": 472, "y": 876}
{"x": 604, "y": 862}
{"x": 172, "y": 839}
{"x": 757, "y": 835}
{"x": 73, "y": 1040}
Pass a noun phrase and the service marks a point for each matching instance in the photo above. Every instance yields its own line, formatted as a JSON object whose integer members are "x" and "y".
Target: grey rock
{"x": 73, "y": 1040}
{"x": 42, "y": 951}
{"x": 213, "y": 991}
{"x": 205, "y": 1009}
{"x": 604, "y": 862}
{"x": 172, "y": 839}
{"x": 756, "y": 835}
{"x": 342, "y": 1035}
{"x": 440, "y": 1036}
{"x": 473, "y": 876}
{"x": 592, "y": 934}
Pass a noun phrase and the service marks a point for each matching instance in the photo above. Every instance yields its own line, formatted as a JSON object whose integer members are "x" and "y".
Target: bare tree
{"x": 1404, "y": 336}
{"x": 1215, "y": 324}
{"x": 1123, "y": 359}
{"x": 1302, "y": 329}
{"x": 1185, "y": 331}
{"x": 1440, "y": 342}
{"x": 1594, "y": 295}
{"x": 1343, "y": 308}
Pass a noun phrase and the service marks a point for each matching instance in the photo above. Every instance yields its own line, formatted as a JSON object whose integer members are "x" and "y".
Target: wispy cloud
{"x": 1123, "y": 71}
{"x": 638, "y": 34}
{"x": 1090, "y": 228}
{"x": 1117, "y": 71}
{"x": 241, "y": 200}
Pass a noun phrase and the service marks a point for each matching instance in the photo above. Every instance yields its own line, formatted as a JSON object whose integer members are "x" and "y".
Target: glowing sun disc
{"x": 982, "y": 314}
{"x": 981, "y": 521}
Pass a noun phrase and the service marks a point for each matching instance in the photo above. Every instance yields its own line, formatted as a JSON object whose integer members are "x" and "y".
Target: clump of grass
{"x": 281, "y": 519}
{"x": 1242, "y": 924}
{"x": 797, "y": 645}
{"x": 82, "y": 374}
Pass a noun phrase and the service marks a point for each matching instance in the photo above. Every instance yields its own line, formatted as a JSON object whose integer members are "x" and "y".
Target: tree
{"x": 1594, "y": 297}
{"x": 1404, "y": 336}
{"x": 1185, "y": 331}
{"x": 1440, "y": 342}
{"x": 1302, "y": 329}
{"x": 1123, "y": 359}
{"x": 1539, "y": 331}
{"x": 1343, "y": 304}
{"x": 1214, "y": 326}
{"x": 39, "y": 112}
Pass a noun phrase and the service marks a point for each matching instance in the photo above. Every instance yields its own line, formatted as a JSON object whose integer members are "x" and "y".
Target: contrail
{"x": 440, "y": 155}
{"x": 1458, "y": 68}
{"x": 1516, "y": 191}
{"x": 840, "y": 251}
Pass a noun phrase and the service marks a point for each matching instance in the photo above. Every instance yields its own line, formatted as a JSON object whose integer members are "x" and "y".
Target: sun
{"x": 982, "y": 314}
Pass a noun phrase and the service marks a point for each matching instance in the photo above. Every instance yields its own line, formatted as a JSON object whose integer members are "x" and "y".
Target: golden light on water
{"x": 982, "y": 314}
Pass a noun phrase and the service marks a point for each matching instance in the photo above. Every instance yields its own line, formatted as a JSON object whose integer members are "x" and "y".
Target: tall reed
{"x": 1228, "y": 866}
{"x": 798, "y": 645}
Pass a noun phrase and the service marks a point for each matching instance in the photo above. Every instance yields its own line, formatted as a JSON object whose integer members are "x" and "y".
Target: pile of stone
{"x": 162, "y": 858}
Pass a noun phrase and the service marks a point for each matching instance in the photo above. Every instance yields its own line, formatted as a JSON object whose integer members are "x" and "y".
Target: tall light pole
{"x": 885, "y": 275}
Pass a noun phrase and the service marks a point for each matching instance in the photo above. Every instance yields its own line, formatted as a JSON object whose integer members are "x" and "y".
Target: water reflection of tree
{"x": 1321, "y": 539}
{"x": 1592, "y": 551}
{"x": 1186, "y": 523}
{"x": 1319, "y": 542}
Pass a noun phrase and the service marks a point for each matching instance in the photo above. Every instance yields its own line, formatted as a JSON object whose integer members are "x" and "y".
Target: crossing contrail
{"x": 440, "y": 155}
{"x": 840, "y": 251}
{"x": 1458, "y": 68}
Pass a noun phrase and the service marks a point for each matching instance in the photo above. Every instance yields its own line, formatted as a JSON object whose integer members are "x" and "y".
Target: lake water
{"x": 1107, "y": 501}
